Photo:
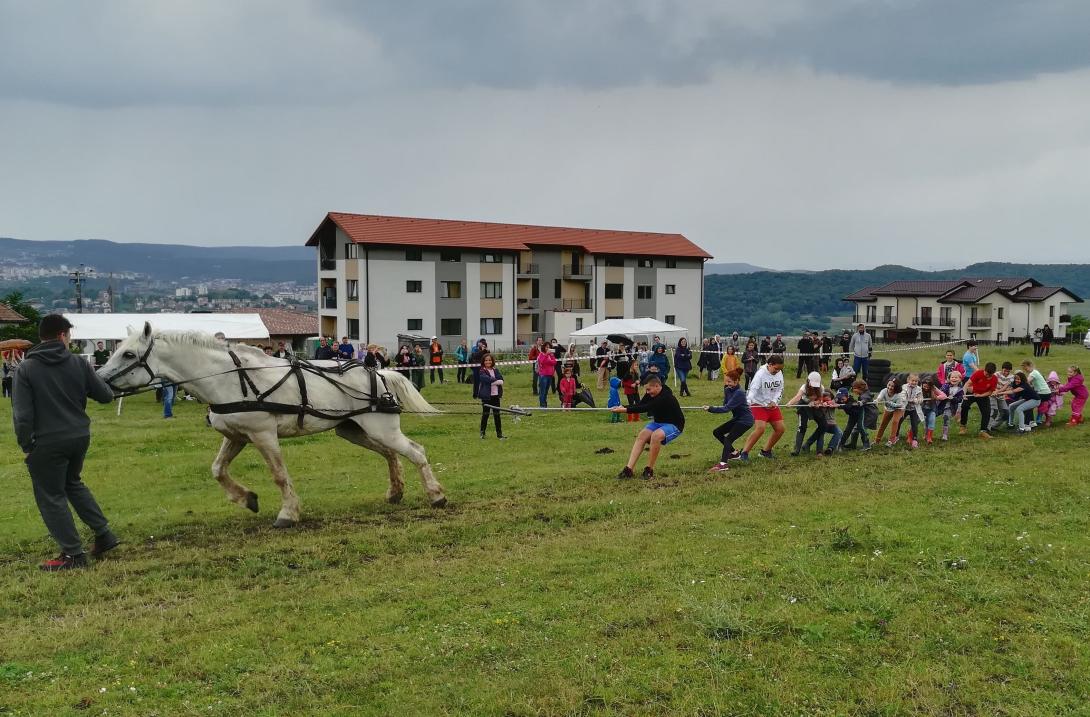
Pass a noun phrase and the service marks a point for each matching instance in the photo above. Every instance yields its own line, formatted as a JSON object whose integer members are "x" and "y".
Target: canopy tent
{"x": 638, "y": 327}
{"x": 95, "y": 327}
{"x": 631, "y": 328}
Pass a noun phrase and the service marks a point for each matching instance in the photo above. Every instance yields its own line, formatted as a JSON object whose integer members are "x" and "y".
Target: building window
{"x": 1051, "y": 311}
{"x": 491, "y": 326}
{"x": 614, "y": 261}
{"x": 352, "y": 289}
{"x": 614, "y": 291}
{"x": 872, "y": 314}
{"x": 450, "y": 289}
{"x": 449, "y": 255}
{"x": 491, "y": 290}
{"x": 645, "y": 291}
{"x": 671, "y": 288}
{"x": 414, "y": 255}
{"x": 1000, "y": 313}
{"x": 671, "y": 318}
{"x": 556, "y": 288}
{"x": 535, "y": 288}
{"x": 354, "y": 329}
{"x": 415, "y": 325}
{"x": 450, "y": 327}
{"x": 671, "y": 263}
{"x": 578, "y": 324}
{"x": 491, "y": 259}
{"x": 645, "y": 262}
{"x": 414, "y": 287}
{"x": 352, "y": 250}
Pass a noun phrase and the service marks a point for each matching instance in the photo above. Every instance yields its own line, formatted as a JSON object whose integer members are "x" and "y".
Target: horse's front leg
{"x": 236, "y": 493}
{"x": 269, "y": 447}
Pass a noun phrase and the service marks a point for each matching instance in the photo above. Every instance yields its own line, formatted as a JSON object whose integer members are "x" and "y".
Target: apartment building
{"x": 381, "y": 276}
{"x": 982, "y": 308}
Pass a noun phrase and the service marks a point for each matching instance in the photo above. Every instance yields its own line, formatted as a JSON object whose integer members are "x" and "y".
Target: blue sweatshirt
{"x": 734, "y": 401}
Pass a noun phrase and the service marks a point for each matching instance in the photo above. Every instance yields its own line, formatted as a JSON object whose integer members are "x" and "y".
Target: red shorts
{"x": 768, "y": 415}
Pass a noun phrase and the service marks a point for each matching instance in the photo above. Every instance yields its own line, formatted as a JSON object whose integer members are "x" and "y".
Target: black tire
{"x": 879, "y": 365}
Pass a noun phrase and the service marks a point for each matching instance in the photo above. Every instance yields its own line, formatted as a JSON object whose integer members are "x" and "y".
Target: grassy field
{"x": 951, "y": 580}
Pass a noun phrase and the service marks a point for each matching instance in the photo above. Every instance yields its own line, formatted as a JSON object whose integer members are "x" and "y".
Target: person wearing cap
{"x": 809, "y": 392}
{"x": 435, "y": 360}
{"x": 49, "y": 411}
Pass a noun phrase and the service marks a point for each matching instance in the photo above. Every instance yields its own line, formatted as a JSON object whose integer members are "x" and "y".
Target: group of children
{"x": 1017, "y": 400}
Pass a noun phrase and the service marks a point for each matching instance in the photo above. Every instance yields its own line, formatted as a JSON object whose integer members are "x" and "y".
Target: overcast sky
{"x": 784, "y": 133}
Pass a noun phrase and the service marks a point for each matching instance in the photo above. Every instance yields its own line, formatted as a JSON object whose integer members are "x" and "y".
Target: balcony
{"x": 527, "y": 306}
{"x": 577, "y": 272}
{"x": 941, "y": 321}
{"x": 980, "y": 322}
{"x": 329, "y": 302}
{"x": 890, "y": 320}
{"x": 575, "y": 305}
{"x": 328, "y": 265}
{"x": 529, "y": 270}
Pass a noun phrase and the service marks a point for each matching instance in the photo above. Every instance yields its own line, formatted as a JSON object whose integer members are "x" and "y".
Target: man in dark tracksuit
{"x": 52, "y": 427}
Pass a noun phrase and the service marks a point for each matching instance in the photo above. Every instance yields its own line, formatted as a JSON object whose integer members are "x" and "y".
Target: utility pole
{"x": 77, "y": 277}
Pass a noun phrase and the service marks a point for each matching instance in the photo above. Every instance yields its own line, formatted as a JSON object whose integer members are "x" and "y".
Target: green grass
{"x": 949, "y": 581}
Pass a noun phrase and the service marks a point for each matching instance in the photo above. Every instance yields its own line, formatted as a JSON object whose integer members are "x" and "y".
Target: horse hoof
{"x": 251, "y": 500}
{"x": 283, "y": 523}
{"x": 394, "y": 498}
{"x": 439, "y": 502}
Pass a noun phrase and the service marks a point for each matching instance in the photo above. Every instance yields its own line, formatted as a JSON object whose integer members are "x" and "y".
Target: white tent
{"x": 630, "y": 327}
{"x": 95, "y": 327}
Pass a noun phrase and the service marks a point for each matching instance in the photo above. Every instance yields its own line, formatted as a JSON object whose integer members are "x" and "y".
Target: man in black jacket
{"x": 667, "y": 423}
{"x": 52, "y": 427}
{"x": 806, "y": 347}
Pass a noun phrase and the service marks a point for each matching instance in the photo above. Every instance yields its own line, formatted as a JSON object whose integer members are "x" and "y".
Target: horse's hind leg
{"x": 353, "y": 433}
{"x": 236, "y": 493}
{"x": 269, "y": 447}
{"x": 398, "y": 441}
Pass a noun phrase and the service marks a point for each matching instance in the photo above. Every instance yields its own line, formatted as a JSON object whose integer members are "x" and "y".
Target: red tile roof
{"x": 374, "y": 229}
{"x": 866, "y": 294}
{"x": 916, "y": 288}
{"x": 11, "y": 316}
{"x": 1040, "y": 293}
{"x": 283, "y": 322}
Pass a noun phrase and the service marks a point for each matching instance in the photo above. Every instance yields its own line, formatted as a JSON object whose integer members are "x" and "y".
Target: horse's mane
{"x": 206, "y": 340}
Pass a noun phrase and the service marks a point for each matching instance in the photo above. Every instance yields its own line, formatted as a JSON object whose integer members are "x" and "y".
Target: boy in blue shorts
{"x": 667, "y": 423}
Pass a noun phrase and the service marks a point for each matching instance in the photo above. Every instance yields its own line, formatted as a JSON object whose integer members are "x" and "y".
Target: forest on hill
{"x": 768, "y": 302}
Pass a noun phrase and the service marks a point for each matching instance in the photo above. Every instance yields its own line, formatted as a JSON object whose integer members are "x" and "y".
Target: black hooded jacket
{"x": 49, "y": 397}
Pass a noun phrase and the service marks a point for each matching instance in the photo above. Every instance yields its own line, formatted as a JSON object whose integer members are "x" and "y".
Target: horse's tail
{"x": 406, "y": 393}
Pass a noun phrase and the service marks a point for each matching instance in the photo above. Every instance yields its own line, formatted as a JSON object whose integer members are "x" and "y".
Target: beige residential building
{"x": 380, "y": 276}
{"x": 982, "y": 308}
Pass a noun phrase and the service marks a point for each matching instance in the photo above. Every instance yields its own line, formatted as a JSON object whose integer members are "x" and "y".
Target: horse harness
{"x": 383, "y": 402}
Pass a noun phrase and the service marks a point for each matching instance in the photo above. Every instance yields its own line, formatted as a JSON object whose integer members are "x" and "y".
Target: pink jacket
{"x": 941, "y": 373}
{"x": 1075, "y": 386}
{"x": 546, "y": 364}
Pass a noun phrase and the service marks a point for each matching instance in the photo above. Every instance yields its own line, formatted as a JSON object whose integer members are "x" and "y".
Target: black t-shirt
{"x": 664, "y": 408}
{"x": 101, "y": 357}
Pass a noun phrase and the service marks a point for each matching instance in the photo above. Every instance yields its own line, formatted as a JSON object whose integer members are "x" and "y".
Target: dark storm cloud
{"x": 329, "y": 51}
{"x": 608, "y": 44}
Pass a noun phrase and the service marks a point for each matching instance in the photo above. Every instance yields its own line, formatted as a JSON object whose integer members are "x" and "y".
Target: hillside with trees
{"x": 768, "y": 302}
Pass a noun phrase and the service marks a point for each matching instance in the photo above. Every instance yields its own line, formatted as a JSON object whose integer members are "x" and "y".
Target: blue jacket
{"x": 484, "y": 383}
{"x": 683, "y": 359}
{"x": 614, "y": 392}
{"x": 660, "y": 360}
{"x": 734, "y": 401}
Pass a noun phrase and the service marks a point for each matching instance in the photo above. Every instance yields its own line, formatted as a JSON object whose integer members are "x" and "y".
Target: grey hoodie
{"x": 50, "y": 395}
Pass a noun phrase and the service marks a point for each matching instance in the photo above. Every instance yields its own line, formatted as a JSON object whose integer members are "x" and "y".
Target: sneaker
{"x": 482, "y": 435}
{"x": 943, "y": 438}
{"x": 794, "y": 454}
{"x": 502, "y": 438}
{"x": 103, "y": 544}
{"x": 865, "y": 448}
{"x": 765, "y": 454}
{"x": 719, "y": 468}
{"x": 915, "y": 444}
{"x": 648, "y": 473}
{"x": 735, "y": 456}
{"x": 985, "y": 434}
{"x": 743, "y": 456}
{"x": 626, "y": 472}
{"x": 64, "y": 562}
{"x": 962, "y": 431}
{"x": 893, "y": 441}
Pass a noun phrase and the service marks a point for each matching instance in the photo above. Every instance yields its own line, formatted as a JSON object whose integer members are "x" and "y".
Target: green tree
{"x": 29, "y": 330}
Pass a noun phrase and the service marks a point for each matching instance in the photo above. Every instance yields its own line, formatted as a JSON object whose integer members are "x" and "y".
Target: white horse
{"x": 207, "y": 368}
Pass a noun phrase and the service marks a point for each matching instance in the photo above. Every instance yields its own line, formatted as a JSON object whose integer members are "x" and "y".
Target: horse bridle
{"x": 141, "y": 362}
